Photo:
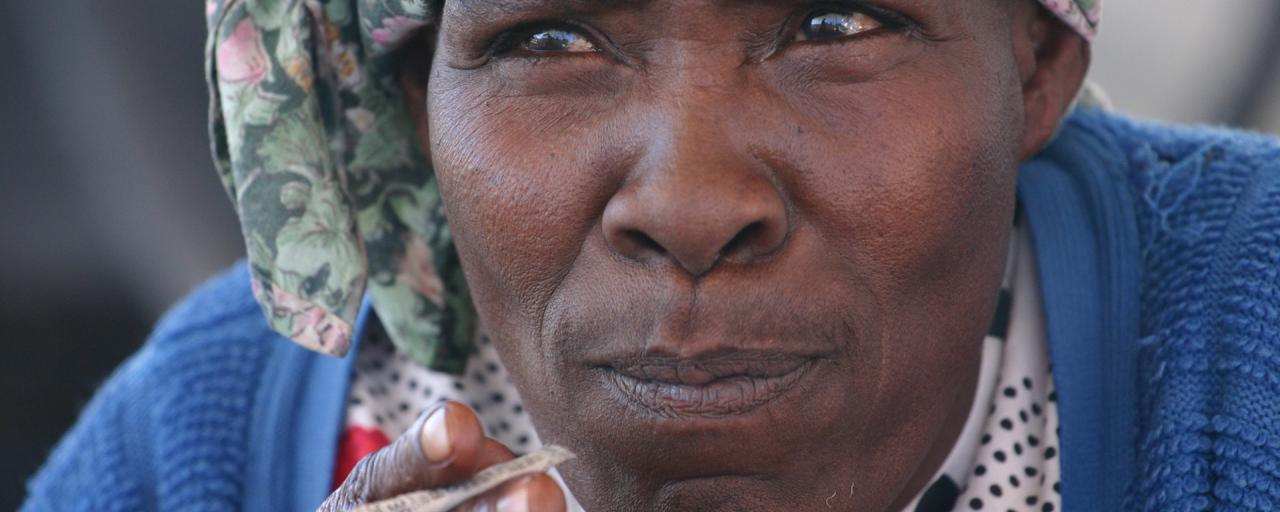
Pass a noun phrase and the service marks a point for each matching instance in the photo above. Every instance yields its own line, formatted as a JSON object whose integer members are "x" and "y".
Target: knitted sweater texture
{"x": 170, "y": 429}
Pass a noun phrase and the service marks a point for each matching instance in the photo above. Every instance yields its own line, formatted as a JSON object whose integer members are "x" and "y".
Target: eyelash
{"x": 508, "y": 42}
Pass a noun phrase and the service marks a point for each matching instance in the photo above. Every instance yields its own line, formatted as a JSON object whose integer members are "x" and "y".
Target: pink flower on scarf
{"x": 395, "y": 30}
{"x": 241, "y": 56}
{"x": 418, "y": 270}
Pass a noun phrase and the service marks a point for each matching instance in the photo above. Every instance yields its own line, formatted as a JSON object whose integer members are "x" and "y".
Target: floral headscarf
{"x": 319, "y": 157}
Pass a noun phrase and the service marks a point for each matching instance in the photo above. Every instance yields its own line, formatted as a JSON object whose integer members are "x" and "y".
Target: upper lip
{"x": 705, "y": 368}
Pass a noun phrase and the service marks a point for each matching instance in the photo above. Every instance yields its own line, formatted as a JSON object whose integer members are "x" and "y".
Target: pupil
{"x": 551, "y": 41}
{"x": 830, "y": 25}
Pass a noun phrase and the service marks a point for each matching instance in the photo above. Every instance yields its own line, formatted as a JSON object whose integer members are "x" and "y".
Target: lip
{"x": 714, "y": 386}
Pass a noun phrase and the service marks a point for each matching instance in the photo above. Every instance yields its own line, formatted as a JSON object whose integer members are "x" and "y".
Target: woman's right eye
{"x": 556, "y": 40}
{"x": 836, "y": 25}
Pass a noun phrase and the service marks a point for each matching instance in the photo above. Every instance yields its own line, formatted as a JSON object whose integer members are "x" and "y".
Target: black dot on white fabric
{"x": 939, "y": 496}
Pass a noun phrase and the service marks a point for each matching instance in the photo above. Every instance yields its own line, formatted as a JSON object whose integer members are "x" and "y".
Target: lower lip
{"x": 721, "y": 398}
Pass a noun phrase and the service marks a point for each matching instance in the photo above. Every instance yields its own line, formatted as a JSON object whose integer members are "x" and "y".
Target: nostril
{"x": 744, "y": 239}
{"x": 644, "y": 242}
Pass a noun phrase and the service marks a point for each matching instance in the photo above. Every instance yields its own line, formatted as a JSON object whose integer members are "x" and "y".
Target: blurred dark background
{"x": 111, "y": 207}
{"x": 112, "y": 210}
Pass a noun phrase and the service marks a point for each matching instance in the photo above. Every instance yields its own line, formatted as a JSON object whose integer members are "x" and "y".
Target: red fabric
{"x": 355, "y": 444}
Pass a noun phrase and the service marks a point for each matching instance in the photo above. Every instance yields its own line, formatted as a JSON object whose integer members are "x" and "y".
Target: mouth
{"x": 716, "y": 386}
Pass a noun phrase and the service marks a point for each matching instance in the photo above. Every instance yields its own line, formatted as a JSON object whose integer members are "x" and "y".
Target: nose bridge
{"x": 697, "y": 149}
{"x": 702, "y": 69}
{"x": 699, "y": 122}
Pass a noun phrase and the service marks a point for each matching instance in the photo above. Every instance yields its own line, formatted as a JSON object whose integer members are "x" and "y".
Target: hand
{"x": 445, "y": 446}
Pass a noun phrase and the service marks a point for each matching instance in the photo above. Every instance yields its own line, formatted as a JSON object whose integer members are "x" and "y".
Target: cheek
{"x": 523, "y": 188}
{"x": 913, "y": 177}
{"x": 926, "y": 220}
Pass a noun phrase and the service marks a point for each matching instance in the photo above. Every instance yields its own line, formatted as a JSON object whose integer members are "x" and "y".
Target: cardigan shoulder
{"x": 169, "y": 429}
{"x": 1207, "y": 208}
{"x": 1205, "y": 201}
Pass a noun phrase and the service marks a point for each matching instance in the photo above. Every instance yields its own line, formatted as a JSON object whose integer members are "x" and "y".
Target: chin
{"x": 727, "y": 493}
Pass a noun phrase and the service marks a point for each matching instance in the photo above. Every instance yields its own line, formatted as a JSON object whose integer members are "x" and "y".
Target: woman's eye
{"x": 557, "y": 40}
{"x": 835, "y": 25}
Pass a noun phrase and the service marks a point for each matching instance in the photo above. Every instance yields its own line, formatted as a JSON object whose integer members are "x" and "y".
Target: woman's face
{"x": 738, "y": 255}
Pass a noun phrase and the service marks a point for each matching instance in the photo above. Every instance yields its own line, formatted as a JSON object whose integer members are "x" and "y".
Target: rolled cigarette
{"x": 445, "y": 498}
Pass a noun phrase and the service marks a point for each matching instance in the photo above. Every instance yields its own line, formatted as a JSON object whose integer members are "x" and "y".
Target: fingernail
{"x": 435, "y": 436}
{"x": 516, "y": 500}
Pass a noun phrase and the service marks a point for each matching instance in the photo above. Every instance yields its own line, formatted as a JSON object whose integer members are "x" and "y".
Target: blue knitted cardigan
{"x": 1159, "y": 257}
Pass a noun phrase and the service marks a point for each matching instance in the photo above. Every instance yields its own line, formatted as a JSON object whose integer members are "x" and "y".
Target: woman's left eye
{"x": 557, "y": 40}
{"x": 835, "y": 25}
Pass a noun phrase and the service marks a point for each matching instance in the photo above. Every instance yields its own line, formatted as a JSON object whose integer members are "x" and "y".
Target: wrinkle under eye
{"x": 835, "y": 25}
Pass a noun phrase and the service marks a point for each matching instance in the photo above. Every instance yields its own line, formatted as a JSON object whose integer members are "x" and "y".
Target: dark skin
{"x": 732, "y": 263}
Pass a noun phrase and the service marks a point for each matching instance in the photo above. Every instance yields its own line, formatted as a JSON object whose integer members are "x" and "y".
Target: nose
{"x": 695, "y": 201}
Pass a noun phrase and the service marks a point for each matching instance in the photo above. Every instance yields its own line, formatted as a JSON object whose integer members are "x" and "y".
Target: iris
{"x": 835, "y": 25}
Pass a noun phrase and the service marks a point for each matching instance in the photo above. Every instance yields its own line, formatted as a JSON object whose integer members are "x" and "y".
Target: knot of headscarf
{"x": 315, "y": 148}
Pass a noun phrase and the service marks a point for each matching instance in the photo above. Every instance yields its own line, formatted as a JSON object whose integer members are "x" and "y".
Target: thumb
{"x": 443, "y": 447}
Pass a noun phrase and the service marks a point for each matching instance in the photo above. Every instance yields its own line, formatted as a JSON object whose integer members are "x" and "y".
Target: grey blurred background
{"x": 112, "y": 210}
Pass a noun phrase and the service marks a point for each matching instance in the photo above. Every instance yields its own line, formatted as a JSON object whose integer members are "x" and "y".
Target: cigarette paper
{"x": 445, "y": 498}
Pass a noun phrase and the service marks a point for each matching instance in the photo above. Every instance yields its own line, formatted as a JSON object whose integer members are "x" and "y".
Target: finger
{"x": 451, "y": 443}
{"x": 533, "y": 493}
{"x": 543, "y": 494}
{"x": 493, "y": 453}
{"x": 442, "y": 448}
